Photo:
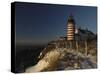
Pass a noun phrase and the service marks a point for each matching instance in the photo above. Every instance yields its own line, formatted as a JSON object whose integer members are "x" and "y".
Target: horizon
{"x": 40, "y": 23}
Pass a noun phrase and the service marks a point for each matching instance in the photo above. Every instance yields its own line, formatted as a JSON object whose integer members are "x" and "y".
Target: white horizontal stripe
{"x": 70, "y": 28}
{"x": 70, "y": 34}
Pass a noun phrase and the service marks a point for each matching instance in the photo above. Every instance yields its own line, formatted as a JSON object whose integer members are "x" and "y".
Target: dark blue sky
{"x": 40, "y": 23}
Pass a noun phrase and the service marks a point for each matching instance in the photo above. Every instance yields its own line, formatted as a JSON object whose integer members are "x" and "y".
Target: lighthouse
{"x": 70, "y": 31}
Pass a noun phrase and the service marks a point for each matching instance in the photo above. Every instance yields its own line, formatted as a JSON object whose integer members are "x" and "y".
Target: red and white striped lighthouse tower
{"x": 70, "y": 30}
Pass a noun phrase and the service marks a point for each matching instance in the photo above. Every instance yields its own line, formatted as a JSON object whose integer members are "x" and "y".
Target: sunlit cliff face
{"x": 49, "y": 62}
{"x": 63, "y": 59}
